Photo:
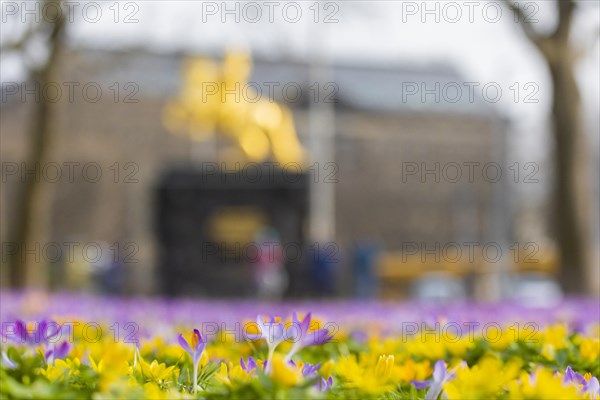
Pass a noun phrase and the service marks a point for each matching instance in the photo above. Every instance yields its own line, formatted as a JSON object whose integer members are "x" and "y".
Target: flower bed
{"x": 67, "y": 346}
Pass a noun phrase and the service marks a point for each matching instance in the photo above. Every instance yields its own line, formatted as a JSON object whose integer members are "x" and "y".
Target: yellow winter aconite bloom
{"x": 223, "y": 374}
{"x": 90, "y": 342}
{"x": 364, "y": 376}
{"x": 113, "y": 365}
{"x": 231, "y": 374}
{"x": 62, "y": 369}
{"x": 499, "y": 339}
{"x": 113, "y": 361}
{"x": 224, "y": 351}
{"x": 327, "y": 368}
{"x": 427, "y": 346}
{"x": 412, "y": 370}
{"x": 156, "y": 372}
{"x": 458, "y": 346}
{"x": 554, "y": 338}
{"x": 384, "y": 346}
{"x": 589, "y": 348}
{"x": 159, "y": 348}
{"x": 283, "y": 373}
{"x": 529, "y": 333}
{"x": 485, "y": 380}
{"x": 153, "y": 391}
{"x": 384, "y": 366}
{"x": 543, "y": 385}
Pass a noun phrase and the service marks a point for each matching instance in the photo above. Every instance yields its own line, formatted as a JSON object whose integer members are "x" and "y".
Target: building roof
{"x": 373, "y": 88}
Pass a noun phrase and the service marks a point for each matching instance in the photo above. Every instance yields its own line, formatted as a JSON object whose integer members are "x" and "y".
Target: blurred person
{"x": 107, "y": 270}
{"x": 270, "y": 277}
{"x": 323, "y": 268}
{"x": 366, "y": 253}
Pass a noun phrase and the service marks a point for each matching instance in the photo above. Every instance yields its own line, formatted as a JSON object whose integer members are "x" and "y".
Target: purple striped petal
{"x": 184, "y": 344}
{"x": 439, "y": 371}
{"x": 305, "y": 325}
{"x": 199, "y": 346}
{"x": 319, "y": 337}
{"x": 62, "y": 351}
{"x": 21, "y": 331}
{"x": 251, "y": 363}
{"x": 592, "y": 387}
{"x": 253, "y": 336}
{"x": 420, "y": 384}
{"x": 8, "y": 362}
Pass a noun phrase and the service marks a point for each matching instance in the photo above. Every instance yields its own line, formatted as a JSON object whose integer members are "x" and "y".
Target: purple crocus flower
{"x": 57, "y": 352}
{"x": 250, "y": 366}
{"x": 197, "y": 347}
{"x": 270, "y": 330}
{"x": 273, "y": 332}
{"x": 573, "y": 377}
{"x": 325, "y": 384}
{"x": 299, "y": 332}
{"x": 592, "y": 387}
{"x": 440, "y": 376}
{"x": 45, "y": 331}
{"x": 195, "y": 351}
{"x": 311, "y": 371}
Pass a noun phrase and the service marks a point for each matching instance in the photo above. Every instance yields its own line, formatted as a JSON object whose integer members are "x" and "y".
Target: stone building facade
{"x": 381, "y": 136}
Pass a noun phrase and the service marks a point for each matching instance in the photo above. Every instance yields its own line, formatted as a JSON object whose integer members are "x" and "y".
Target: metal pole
{"x": 321, "y": 143}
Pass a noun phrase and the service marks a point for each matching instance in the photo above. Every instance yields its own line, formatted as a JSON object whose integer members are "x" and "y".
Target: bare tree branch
{"x": 535, "y": 37}
{"x": 565, "y": 18}
{"x": 19, "y": 44}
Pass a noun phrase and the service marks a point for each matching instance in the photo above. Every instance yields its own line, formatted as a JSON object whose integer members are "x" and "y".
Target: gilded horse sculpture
{"x": 217, "y": 100}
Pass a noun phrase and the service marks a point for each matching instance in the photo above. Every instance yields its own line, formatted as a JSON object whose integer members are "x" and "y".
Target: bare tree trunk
{"x": 32, "y": 204}
{"x": 571, "y": 158}
{"x": 570, "y": 155}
